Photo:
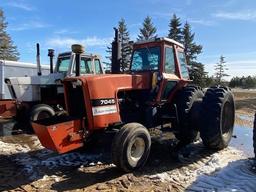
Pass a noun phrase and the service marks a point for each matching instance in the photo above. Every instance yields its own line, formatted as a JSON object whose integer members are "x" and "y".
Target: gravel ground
{"x": 27, "y": 166}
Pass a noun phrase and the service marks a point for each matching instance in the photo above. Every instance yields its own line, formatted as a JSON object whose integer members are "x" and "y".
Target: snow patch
{"x": 206, "y": 166}
{"x": 236, "y": 176}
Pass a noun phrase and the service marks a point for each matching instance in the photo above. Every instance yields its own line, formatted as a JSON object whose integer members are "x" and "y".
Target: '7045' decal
{"x": 102, "y": 102}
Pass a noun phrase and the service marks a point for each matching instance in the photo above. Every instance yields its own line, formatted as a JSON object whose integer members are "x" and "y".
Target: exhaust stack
{"x": 116, "y": 53}
{"x": 78, "y": 50}
{"x": 51, "y": 55}
{"x": 39, "y": 71}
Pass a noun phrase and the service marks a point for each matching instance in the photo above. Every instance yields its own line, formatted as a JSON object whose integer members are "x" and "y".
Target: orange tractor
{"x": 155, "y": 92}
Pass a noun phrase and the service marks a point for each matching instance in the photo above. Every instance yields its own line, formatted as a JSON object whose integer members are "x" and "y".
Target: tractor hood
{"x": 107, "y": 86}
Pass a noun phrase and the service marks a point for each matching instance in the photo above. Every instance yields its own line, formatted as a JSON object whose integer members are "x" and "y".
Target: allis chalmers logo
{"x": 103, "y": 106}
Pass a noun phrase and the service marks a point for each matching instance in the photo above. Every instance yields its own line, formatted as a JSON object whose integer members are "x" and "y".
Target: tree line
{"x": 243, "y": 82}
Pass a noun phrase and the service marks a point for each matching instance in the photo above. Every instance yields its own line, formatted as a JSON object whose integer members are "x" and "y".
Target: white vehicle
{"x": 14, "y": 68}
{"x": 35, "y": 97}
{"x": 30, "y": 88}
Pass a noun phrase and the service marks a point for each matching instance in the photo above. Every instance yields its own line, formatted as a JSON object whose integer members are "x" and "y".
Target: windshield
{"x": 63, "y": 64}
{"x": 147, "y": 58}
{"x": 86, "y": 66}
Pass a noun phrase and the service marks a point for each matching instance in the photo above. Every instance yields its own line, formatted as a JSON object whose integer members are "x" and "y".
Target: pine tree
{"x": 126, "y": 49}
{"x": 175, "y": 31}
{"x": 198, "y": 74}
{"x": 191, "y": 48}
{"x": 220, "y": 69}
{"x": 8, "y": 51}
{"x": 148, "y": 30}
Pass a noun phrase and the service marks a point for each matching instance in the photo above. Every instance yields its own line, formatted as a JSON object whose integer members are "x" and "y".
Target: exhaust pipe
{"x": 39, "y": 71}
{"x": 78, "y": 50}
{"x": 116, "y": 53}
{"x": 51, "y": 55}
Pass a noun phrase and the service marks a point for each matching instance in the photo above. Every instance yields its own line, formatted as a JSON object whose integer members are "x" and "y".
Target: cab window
{"x": 63, "y": 64}
{"x": 169, "y": 66}
{"x": 183, "y": 65}
{"x": 97, "y": 66}
{"x": 86, "y": 66}
{"x": 146, "y": 59}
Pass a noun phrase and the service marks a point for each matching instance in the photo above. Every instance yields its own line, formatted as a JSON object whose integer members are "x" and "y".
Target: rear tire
{"x": 131, "y": 147}
{"x": 41, "y": 111}
{"x": 218, "y": 115}
{"x": 187, "y": 127}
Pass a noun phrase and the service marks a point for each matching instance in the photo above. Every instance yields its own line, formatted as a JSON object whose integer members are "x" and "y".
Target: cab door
{"x": 170, "y": 72}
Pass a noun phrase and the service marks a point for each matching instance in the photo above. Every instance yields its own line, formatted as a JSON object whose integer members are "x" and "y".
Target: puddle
{"x": 243, "y": 140}
{"x": 6, "y": 127}
{"x": 245, "y": 117}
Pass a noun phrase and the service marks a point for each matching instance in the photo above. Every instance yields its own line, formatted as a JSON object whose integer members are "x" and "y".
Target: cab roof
{"x": 158, "y": 39}
{"x": 87, "y": 55}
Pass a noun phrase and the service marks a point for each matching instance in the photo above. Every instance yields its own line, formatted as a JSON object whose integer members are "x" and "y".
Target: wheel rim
{"x": 227, "y": 119}
{"x": 135, "y": 151}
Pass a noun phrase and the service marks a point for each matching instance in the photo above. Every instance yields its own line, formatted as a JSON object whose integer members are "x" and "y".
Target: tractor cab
{"x": 164, "y": 60}
{"x": 89, "y": 64}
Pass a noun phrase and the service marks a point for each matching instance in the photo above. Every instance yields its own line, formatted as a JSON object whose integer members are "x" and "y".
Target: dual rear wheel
{"x": 212, "y": 114}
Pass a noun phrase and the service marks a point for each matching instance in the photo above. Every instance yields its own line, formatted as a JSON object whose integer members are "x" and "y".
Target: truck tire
{"x": 131, "y": 147}
{"x": 186, "y": 127}
{"x": 217, "y": 117}
{"x": 41, "y": 111}
{"x": 254, "y": 136}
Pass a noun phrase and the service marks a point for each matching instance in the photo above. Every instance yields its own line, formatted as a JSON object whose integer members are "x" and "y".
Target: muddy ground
{"x": 26, "y": 166}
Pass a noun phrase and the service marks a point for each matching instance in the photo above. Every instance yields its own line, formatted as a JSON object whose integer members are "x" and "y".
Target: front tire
{"x": 218, "y": 115}
{"x": 41, "y": 111}
{"x": 131, "y": 147}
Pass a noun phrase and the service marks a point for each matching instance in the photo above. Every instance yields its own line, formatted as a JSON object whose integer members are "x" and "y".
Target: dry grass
{"x": 245, "y": 106}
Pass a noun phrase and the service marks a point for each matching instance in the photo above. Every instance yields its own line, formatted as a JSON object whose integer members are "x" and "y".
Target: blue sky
{"x": 222, "y": 27}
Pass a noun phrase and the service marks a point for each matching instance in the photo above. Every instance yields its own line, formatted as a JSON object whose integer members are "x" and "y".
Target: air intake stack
{"x": 116, "y": 53}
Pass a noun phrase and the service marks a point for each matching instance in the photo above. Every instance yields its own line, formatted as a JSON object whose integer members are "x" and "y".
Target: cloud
{"x": 64, "y": 31}
{"x": 28, "y": 26}
{"x": 244, "y": 15}
{"x": 88, "y": 42}
{"x": 201, "y": 22}
{"x": 21, "y": 5}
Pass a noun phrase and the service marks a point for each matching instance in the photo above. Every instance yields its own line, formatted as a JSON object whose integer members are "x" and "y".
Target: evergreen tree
{"x": 126, "y": 49}
{"x": 191, "y": 49}
{"x": 175, "y": 31}
{"x": 148, "y": 29}
{"x": 8, "y": 51}
{"x": 220, "y": 69}
{"x": 198, "y": 74}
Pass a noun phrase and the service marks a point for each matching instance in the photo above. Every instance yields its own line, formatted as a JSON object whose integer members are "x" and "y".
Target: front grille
{"x": 75, "y": 101}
